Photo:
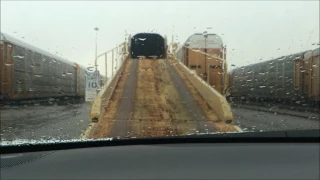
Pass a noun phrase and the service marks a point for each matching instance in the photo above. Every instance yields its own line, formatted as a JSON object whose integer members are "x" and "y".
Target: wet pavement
{"x": 54, "y": 120}
{"x": 254, "y": 120}
{"x": 68, "y": 119}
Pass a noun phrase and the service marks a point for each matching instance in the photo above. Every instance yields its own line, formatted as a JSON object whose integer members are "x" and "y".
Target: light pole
{"x": 95, "y": 61}
{"x": 205, "y": 56}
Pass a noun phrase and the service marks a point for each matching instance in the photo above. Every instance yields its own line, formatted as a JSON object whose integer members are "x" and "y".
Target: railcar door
{"x": 315, "y": 76}
{"x": 7, "y": 70}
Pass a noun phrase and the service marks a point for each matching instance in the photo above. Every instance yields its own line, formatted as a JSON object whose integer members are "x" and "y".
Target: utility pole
{"x": 96, "y": 54}
{"x": 205, "y": 56}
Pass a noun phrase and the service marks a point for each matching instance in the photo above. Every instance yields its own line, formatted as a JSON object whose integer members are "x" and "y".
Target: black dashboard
{"x": 281, "y": 160}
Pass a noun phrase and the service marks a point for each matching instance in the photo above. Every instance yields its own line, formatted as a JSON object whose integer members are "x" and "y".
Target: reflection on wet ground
{"x": 68, "y": 119}
{"x": 50, "y": 119}
{"x": 258, "y": 121}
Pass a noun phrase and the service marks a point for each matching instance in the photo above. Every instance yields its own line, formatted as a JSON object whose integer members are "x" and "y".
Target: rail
{"x": 116, "y": 62}
{"x": 118, "y": 57}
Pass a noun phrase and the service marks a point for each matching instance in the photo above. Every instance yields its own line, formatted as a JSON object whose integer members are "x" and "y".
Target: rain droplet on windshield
{"x": 19, "y": 57}
{"x": 90, "y": 69}
{"x": 38, "y": 75}
{"x": 142, "y": 39}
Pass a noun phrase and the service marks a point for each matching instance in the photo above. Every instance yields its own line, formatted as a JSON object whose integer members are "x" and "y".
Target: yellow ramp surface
{"x": 155, "y": 98}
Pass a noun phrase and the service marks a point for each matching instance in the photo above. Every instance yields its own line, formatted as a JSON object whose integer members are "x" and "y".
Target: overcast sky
{"x": 251, "y": 30}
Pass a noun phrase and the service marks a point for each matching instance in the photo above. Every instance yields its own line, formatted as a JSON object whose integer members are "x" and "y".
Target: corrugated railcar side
{"x": 206, "y": 55}
{"x": 315, "y": 80}
{"x": 294, "y": 77}
{"x": 80, "y": 85}
{"x": 28, "y": 72}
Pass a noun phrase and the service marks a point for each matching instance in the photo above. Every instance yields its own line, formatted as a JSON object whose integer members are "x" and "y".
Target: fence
{"x": 110, "y": 61}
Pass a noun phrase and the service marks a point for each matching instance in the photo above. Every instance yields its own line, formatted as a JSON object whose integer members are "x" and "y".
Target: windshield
{"x": 103, "y": 70}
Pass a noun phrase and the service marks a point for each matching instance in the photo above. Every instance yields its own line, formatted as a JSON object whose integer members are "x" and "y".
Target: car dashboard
{"x": 229, "y": 160}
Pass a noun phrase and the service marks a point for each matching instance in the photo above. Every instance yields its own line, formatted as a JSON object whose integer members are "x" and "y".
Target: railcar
{"x": 29, "y": 72}
{"x": 206, "y": 54}
{"x": 294, "y": 77}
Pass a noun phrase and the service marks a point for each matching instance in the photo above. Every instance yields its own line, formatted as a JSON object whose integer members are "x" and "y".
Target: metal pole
{"x": 117, "y": 57}
{"x": 124, "y": 51}
{"x": 117, "y": 64}
{"x": 96, "y": 51}
{"x": 208, "y": 74}
{"x": 117, "y": 61}
{"x": 226, "y": 79}
{"x": 205, "y": 56}
{"x": 122, "y": 54}
{"x": 112, "y": 62}
{"x": 106, "y": 65}
{"x": 197, "y": 63}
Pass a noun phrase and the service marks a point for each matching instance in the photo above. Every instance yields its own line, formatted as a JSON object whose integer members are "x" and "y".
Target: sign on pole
{"x": 92, "y": 84}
